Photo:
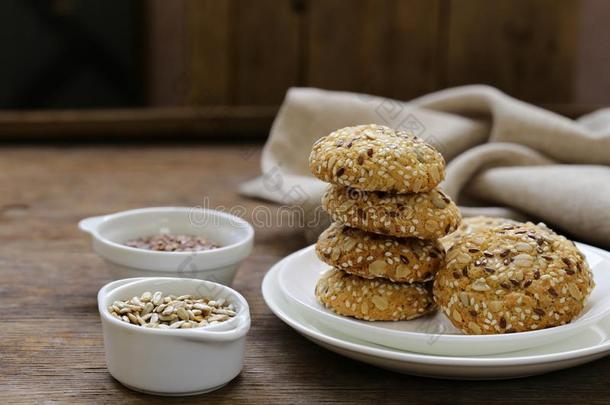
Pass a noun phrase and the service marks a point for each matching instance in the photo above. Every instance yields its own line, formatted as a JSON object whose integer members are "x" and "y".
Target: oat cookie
{"x": 373, "y": 300}
{"x": 512, "y": 278}
{"x": 371, "y": 255}
{"x": 429, "y": 215}
{"x": 377, "y": 158}
{"x": 472, "y": 225}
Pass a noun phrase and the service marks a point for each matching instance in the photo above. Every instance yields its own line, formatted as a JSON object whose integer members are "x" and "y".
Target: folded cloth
{"x": 505, "y": 157}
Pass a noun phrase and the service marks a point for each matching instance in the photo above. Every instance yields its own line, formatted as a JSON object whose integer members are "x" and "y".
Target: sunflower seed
{"x": 474, "y": 327}
{"x": 574, "y": 291}
{"x": 148, "y": 308}
{"x": 464, "y": 299}
{"x": 157, "y": 298}
{"x": 380, "y": 302}
{"x": 523, "y": 260}
{"x": 480, "y": 285}
{"x": 177, "y": 312}
{"x": 378, "y": 267}
{"x": 182, "y": 314}
{"x": 438, "y": 201}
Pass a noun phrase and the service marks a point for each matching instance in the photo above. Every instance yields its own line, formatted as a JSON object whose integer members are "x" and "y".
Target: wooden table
{"x": 50, "y": 336}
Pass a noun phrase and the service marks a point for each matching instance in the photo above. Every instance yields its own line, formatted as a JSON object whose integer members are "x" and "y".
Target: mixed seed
{"x": 173, "y": 243}
{"x": 154, "y": 310}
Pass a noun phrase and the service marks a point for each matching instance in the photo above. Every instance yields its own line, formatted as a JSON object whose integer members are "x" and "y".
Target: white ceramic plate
{"x": 588, "y": 345}
{"x": 434, "y": 334}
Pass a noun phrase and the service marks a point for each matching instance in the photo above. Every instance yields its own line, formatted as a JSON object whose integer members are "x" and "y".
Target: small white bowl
{"x": 173, "y": 362}
{"x": 110, "y": 232}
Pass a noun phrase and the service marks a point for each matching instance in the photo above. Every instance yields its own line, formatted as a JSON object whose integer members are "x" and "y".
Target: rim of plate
{"x": 457, "y": 338}
{"x": 267, "y": 291}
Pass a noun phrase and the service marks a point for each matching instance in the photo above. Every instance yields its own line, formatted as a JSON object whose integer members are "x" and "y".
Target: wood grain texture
{"x": 265, "y": 51}
{"x": 347, "y": 44}
{"x": 414, "y": 55}
{"x": 50, "y": 335}
{"x": 166, "y": 54}
{"x": 240, "y": 52}
{"x": 526, "y": 48}
{"x": 209, "y": 41}
{"x": 381, "y": 47}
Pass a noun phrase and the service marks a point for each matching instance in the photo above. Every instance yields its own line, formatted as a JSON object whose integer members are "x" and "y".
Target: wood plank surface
{"x": 347, "y": 44}
{"x": 384, "y": 47}
{"x": 51, "y": 347}
{"x": 238, "y": 52}
{"x": 166, "y": 60}
{"x": 208, "y": 76}
{"x": 415, "y": 55}
{"x": 242, "y": 53}
{"x": 265, "y": 51}
{"x": 525, "y": 48}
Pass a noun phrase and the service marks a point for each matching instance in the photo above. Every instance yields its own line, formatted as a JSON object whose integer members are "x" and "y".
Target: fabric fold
{"x": 525, "y": 161}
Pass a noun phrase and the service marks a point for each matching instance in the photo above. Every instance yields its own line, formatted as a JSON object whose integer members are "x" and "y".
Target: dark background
{"x": 71, "y": 54}
{"x": 208, "y": 67}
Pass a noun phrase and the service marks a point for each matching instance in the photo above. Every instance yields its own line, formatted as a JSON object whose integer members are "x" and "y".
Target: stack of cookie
{"x": 388, "y": 215}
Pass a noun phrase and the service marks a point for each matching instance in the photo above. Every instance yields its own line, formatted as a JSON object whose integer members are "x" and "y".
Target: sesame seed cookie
{"x": 373, "y": 300}
{"x": 371, "y": 255}
{"x": 472, "y": 225}
{"x": 512, "y": 278}
{"x": 429, "y": 215}
{"x": 377, "y": 158}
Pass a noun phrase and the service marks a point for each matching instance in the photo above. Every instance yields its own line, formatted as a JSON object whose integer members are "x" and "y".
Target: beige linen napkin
{"x": 505, "y": 157}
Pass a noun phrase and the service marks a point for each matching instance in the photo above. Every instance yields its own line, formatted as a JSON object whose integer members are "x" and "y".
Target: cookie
{"x": 377, "y": 158}
{"x": 371, "y": 255}
{"x": 472, "y": 225}
{"x": 429, "y": 215}
{"x": 512, "y": 278}
{"x": 373, "y": 300}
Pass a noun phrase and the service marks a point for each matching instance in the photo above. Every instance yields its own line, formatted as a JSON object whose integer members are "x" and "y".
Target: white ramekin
{"x": 110, "y": 232}
{"x": 173, "y": 361}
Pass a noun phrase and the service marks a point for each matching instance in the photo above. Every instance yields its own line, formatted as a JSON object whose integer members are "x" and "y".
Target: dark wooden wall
{"x": 222, "y": 67}
{"x": 240, "y": 52}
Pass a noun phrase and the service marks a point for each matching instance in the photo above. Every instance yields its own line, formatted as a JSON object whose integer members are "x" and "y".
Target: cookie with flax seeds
{"x": 370, "y": 255}
{"x": 377, "y": 158}
{"x": 373, "y": 300}
{"x": 512, "y": 278}
{"x": 429, "y": 215}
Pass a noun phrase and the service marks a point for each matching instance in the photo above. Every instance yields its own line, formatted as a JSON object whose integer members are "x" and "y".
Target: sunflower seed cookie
{"x": 429, "y": 215}
{"x": 377, "y": 158}
{"x": 373, "y": 300}
{"x": 371, "y": 255}
{"x": 512, "y": 278}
